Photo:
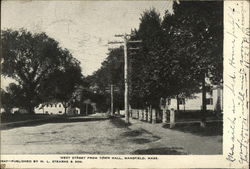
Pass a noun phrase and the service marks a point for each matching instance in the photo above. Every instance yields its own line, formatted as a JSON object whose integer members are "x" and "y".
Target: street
{"x": 105, "y": 137}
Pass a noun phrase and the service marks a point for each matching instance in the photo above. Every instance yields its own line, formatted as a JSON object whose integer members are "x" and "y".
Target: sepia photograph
{"x": 105, "y": 77}
{"x": 119, "y": 78}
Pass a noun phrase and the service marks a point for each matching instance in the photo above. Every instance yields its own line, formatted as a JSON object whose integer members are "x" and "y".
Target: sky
{"x": 83, "y": 27}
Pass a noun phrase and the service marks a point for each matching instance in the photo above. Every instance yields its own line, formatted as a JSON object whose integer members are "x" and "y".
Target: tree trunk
{"x": 7, "y": 110}
{"x": 30, "y": 109}
{"x": 204, "y": 106}
{"x": 164, "y": 115}
{"x": 178, "y": 105}
{"x": 65, "y": 110}
{"x": 65, "y": 107}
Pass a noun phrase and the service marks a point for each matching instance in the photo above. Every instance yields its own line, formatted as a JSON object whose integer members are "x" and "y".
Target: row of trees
{"x": 176, "y": 55}
{"x": 111, "y": 72}
{"x": 43, "y": 71}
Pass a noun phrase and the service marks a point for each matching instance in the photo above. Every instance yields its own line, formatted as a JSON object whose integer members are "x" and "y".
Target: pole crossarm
{"x": 111, "y": 49}
{"x": 119, "y": 35}
{"x": 134, "y": 48}
{"x": 132, "y": 54}
{"x": 115, "y": 42}
{"x": 135, "y": 41}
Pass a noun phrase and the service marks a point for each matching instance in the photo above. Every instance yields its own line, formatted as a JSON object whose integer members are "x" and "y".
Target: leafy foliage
{"x": 175, "y": 56}
{"x": 40, "y": 66}
{"x": 111, "y": 72}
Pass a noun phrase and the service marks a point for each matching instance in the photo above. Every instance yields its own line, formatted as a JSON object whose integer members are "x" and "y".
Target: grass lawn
{"x": 211, "y": 129}
{"x": 7, "y": 118}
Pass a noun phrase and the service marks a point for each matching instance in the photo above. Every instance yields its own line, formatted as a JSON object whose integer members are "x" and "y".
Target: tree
{"x": 12, "y": 97}
{"x": 111, "y": 72}
{"x": 6, "y": 101}
{"x": 177, "y": 62}
{"x": 146, "y": 63}
{"x": 61, "y": 84}
{"x": 179, "y": 52}
{"x": 30, "y": 59}
{"x": 198, "y": 30}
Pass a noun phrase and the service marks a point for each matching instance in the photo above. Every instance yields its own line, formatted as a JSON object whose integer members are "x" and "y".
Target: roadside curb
{"x": 20, "y": 123}
{"x": 50, "y": 119}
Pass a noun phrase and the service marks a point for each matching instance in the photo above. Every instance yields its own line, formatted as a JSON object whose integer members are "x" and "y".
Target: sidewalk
{"x": 187, "y": 142}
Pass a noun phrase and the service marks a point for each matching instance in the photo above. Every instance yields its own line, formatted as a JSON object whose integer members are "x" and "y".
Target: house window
{"x": 55, "y": 105}
{"x": 210, "y": 92}
{"x": 169, "y": 101}
{"x": 182, "y": 101}
{"x": 60, "y": 111}
{"x": 209, "y": 101}
{"x": 46, "y": 112}
{"x": 59, "y": 105}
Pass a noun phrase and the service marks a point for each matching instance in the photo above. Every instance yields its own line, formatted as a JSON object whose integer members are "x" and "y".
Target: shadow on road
{"x": 119, "y": 123}
{"x": 160, "y": 151}
{"x": 134, "y": 136}
{"x": 133, "y": 133}
{"x": 140, "y": 140}
{"x": 211, "y": 129}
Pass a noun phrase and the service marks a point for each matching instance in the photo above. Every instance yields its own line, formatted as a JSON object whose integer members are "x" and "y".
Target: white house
{"x": 55, "y": 108}
{"x": 214, "y": 101}
{"x": 19, "y": 110}
{"x": 2, "y": 110}
{"x": 73, "y": 110}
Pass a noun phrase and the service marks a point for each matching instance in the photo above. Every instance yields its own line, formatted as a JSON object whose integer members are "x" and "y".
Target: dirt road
{"x": 105, "y": 137}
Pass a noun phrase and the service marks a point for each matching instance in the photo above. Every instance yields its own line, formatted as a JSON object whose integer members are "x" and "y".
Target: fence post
{"x": 172, "y": 118}
{"x": 140, "y": 114}
{"x": 145, "y": 115}
{"x": 132, "y": 113}
{"x": 154, "y": 116}
{"x": 149, "y": 114}
{"x": 164, "y": 116}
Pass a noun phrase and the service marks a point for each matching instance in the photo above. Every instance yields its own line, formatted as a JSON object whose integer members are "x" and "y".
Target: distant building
{"x": 19, "y": 110}
{"x": 214, "y": 101}
{"x": 2, "y": 110}
{"x": 94, "y": 106}
{"x": 55, "y": 108}
{"x": 73, "y": 111}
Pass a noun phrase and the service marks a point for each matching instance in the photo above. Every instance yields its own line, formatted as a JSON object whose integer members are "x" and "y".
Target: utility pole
{"x": 126, "y": 91}
{"x": 126, "y": 96}
{"x": 112, "y": 99}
